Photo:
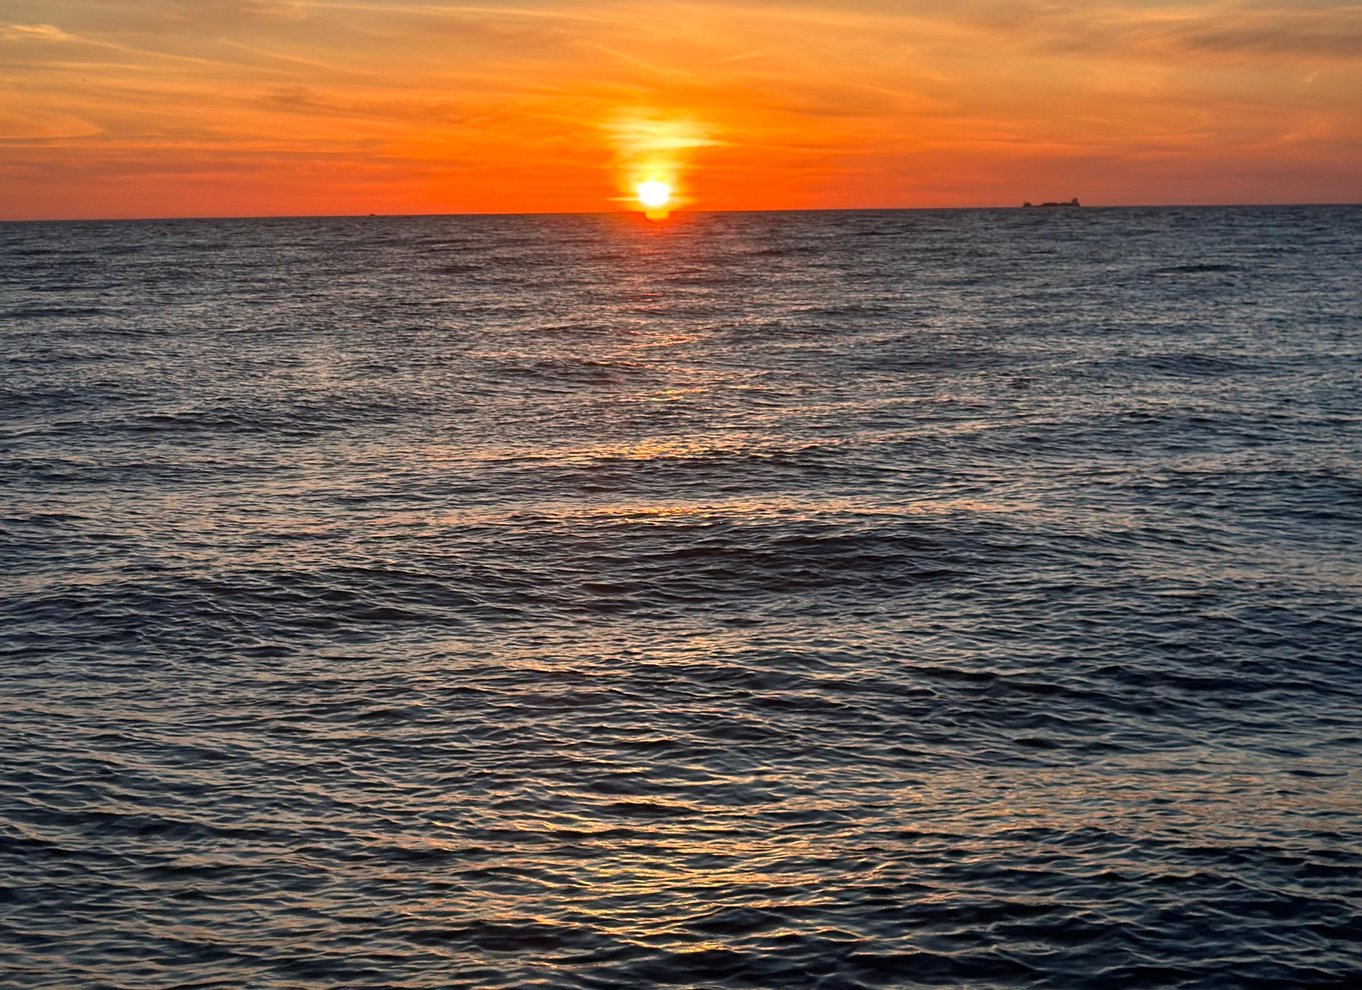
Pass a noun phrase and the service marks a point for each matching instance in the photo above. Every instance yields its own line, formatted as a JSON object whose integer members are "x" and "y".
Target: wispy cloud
{"x": 33, "y": 32}
{"x": 219, "y": 11}
{"x": 427, "y": 111}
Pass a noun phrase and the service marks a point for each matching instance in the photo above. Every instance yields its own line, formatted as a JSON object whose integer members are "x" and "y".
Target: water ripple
{"x": 797, "y": 600}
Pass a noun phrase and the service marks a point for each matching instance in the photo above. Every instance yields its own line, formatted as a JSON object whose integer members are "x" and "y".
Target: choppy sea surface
{"x": 827, "y": 600}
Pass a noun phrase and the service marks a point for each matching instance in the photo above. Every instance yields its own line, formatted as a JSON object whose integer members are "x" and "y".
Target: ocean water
{"x": 824, "y": 600}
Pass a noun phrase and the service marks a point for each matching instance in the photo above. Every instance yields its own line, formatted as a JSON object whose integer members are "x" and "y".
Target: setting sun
{"x": 653, "y": 194}
{"x": 654, "y": 149}
{"x": 655, "y": 198}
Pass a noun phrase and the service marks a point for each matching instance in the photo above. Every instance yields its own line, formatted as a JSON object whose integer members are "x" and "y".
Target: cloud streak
{"x": 33, "y": 32}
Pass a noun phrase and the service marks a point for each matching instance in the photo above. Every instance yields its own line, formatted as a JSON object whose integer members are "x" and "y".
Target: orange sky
{"x": 230, "y": 107}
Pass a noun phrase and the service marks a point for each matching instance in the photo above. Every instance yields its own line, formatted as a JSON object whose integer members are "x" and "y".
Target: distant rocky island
{"x": 1072, "y": 202}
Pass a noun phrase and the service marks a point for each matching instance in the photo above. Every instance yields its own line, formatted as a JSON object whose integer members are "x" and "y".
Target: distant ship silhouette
{"x": 1072, "y": 202}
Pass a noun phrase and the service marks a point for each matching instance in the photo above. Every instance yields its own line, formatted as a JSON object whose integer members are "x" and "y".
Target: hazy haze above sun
{"x": 219, "y": 107}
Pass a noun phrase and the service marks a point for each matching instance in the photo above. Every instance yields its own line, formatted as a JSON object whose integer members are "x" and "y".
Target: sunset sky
{"x": 266, "y": 107}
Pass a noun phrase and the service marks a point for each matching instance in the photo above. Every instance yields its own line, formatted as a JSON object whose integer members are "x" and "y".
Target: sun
{"x": 653, "y": 195}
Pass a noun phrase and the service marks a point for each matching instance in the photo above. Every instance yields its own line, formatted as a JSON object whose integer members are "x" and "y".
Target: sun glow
{"x": 654, "y": 149}
{"x": 655, "y": 197}
{"x": 653, "y": 194}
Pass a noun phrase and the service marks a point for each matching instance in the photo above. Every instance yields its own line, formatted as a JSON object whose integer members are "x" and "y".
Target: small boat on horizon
{"x": 1072, "y": 202}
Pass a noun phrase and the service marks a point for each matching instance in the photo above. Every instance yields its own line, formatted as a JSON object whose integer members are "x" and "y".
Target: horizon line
{"x": 639, "y": 213}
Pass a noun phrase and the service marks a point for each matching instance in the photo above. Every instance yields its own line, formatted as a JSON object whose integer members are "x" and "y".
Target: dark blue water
{"x": 841, "y": 600}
